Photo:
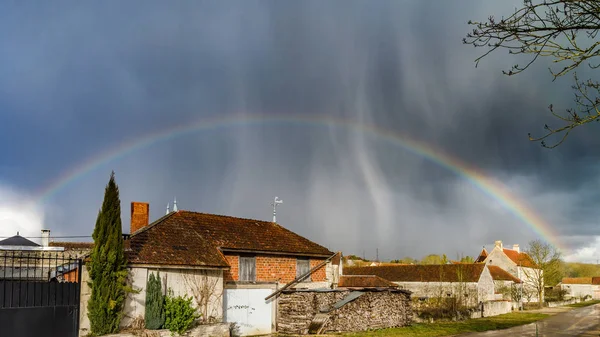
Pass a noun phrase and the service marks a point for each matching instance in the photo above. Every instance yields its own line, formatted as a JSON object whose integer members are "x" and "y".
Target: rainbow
{"x": 486, "y": 184}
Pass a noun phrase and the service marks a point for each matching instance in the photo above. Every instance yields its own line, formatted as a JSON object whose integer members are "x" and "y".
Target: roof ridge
{"x": 223, "y": 215}
{"x": 153, "y": 224}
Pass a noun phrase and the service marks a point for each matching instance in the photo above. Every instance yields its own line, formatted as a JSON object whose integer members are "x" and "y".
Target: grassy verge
{"x": 453, "y": 328}
{"x": 583, "y": 304}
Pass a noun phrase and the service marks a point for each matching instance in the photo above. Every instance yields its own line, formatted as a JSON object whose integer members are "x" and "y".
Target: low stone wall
{"x": 561, "y": 303}
{"x": 493, "y": 308}
{"x": 205, "y": 330}
{"x": 373, "y": 310}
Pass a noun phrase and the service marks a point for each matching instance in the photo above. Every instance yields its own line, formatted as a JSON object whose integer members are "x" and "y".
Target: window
{"x": 247, "y": 268}
{"x": 303, "y": 267}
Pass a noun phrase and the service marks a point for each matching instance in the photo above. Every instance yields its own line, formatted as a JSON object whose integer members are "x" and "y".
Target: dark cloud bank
{"x": 76, "y": 80}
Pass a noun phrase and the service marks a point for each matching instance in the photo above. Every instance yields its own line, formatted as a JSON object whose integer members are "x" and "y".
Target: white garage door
{"x": 247, "y": 308}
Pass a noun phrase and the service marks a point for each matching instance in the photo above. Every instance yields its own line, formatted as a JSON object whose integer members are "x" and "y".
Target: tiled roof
{"x": 364, "y": 281}
{"x": 482, "y": 256}
{"x": 197, "y": 239}
{"x": 499, "y": 274}
{"x": 18, "y": 240}
{"x": 522, "y": 259}
{"x": 422, "y": 273}
{"x": 577, "y": 280}
{"x": 595, "y": 280}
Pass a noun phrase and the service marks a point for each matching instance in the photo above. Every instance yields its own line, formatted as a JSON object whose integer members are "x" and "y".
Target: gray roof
{"x": 18, "y": 240}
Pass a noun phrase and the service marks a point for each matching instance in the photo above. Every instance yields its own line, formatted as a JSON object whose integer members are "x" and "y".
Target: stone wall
{"x": 212, "y": 330}
{"x": 373, "y": 310}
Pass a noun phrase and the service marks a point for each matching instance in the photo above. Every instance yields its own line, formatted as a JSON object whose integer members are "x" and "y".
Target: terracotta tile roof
{"x": 522, "y": 259}
{"x": 499, "y": 274}
{"x": 596, "y": 280}
{"x": 577, "y": 280}
{"x": 197, "y": 239}
{"x": 364, "y": 281}
{"x": 482, "y": 256}
{"x": 422, "y": 273}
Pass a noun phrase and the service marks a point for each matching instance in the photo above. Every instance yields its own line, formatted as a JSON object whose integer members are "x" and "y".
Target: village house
{"x": 228, "y": 265}
{"x": 471, "y": 283}
{"x": 581, "y": 287}
{"x": 518, "y": 264}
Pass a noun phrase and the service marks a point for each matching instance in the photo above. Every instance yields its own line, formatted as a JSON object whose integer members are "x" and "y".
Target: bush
{"x": 180, "y": 315}
{"x": 155, "y": 314}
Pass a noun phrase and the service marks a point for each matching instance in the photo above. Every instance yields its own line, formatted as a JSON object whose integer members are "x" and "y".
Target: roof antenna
{"x": 175, "y": 205}
{"x": 276, "y": 202}
{"x": 168, "y": 203}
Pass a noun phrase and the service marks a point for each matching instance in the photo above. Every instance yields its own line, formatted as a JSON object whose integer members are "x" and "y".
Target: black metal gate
{"x": 39, "y": 294}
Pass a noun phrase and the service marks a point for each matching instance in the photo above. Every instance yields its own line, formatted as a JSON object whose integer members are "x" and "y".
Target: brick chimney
{"x": 516, "y": 247}
{"x": 139, "y": 215}
{"x": 498, "y": 244}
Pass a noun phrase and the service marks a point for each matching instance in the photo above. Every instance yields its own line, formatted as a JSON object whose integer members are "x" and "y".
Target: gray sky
{"x": 81, "y": 79}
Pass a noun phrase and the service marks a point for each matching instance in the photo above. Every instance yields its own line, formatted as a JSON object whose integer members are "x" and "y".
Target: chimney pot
{"x": 45, "y": 237}
{"x": 139, "y": 215}
{"x": 516, "y": 247}
{"x": 498, "y": 244}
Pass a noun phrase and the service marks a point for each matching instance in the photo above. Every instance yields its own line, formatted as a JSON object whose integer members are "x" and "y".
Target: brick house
{"x": 517, "y": 263}
{"x": 228, "y": 264}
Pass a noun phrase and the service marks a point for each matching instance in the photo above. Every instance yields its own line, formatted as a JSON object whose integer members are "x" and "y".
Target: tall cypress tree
{"x": 108, "y": 274}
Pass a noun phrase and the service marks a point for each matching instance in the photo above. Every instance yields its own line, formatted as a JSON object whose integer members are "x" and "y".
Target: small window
{"x": 247, "y": 269}
{"x": 302, "y": 267}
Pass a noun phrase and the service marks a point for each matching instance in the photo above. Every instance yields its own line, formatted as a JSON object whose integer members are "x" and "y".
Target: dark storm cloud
{"x": 78, "y": 79}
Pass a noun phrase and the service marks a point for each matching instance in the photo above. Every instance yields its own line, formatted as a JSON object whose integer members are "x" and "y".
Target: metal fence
{"x": 39, "y": 293}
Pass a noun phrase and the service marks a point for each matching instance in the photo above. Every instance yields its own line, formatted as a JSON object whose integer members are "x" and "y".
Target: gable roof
{"x": 18, "y": 240}
{"x": 499, "y": 274}
{"x": 422, "y": 273}
{"x": 198, "y": 239}
{"x": 577, "y": 280}
{"x": 520, "y": 258}
{"x": 364, "y": 281}
{"x": 482, "y": 256}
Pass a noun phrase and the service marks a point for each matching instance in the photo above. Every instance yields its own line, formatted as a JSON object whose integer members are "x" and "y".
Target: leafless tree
{"x": 546, "y": 259}
{"x": 204, "y": 288}
{"x": 563, "y": 30}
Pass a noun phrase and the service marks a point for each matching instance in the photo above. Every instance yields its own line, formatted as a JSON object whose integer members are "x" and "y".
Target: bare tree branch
{"x": 563, "y": 30}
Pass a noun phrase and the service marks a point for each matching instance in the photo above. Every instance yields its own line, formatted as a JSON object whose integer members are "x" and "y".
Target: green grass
{"x": 454, "y": 328}
{"x": 583, "y": 304}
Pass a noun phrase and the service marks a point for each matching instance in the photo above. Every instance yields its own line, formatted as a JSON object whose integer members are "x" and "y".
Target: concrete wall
{"x": 205, "y": 286}
{"x": 493, "y": 308}
{"x": 373, "y": 310}
{"x": 561, "y": 303}
{"x": 212, "y": 330}
{"x": 85, "y": 293}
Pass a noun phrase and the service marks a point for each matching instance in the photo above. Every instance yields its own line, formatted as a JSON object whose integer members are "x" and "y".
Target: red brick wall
{"x": 233, "y": 273}
{"x": 319, "y": 274}
{"x": 139, "y": 215}
{"x": 273, "y": 268}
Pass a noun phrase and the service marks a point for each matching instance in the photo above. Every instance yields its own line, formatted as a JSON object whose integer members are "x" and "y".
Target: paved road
{"x": 577, "y": 322}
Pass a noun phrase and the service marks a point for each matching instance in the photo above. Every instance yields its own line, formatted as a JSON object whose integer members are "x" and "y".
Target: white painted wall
{"x": 581, "y": 290}
{"x": 250, "y": 312}
{"x": 191, "y": 282}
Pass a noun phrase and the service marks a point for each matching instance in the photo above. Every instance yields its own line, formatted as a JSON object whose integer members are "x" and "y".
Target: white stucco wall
{"x": 191, "y": 282}
{"x": 485, "y": 286}
{"x": 578, "y": 290}
{"x": 442, "y": 289}
{"x": 528, "y": 275}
